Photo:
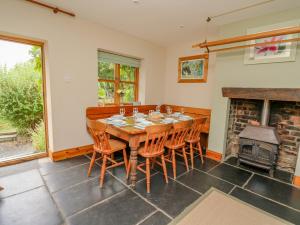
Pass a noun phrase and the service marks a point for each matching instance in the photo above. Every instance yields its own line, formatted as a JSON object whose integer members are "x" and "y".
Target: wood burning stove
{"x": 259, "y": 145}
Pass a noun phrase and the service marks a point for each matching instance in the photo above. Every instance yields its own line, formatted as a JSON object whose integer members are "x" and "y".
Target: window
{"x": 117, "y": 79}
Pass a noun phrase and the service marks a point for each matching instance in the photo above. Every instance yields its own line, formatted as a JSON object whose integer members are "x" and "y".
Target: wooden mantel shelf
{"x": 278, "y": 94}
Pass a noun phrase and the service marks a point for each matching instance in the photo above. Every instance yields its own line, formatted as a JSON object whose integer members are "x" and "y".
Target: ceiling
{"x": 161, "y": 21}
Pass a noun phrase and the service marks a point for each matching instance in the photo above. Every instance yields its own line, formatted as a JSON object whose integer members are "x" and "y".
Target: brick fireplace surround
{"x": 246, "y": 105}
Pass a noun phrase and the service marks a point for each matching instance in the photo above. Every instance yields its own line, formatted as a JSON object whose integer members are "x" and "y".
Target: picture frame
{"x": 193, "y": 69}
{"x": 272, "y": 53}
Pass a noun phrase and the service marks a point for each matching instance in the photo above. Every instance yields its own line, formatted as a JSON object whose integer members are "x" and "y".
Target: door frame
{"x": 42, "y": 45}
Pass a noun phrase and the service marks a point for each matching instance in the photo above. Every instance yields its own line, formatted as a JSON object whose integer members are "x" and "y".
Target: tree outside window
{"x": 117, "y": 83}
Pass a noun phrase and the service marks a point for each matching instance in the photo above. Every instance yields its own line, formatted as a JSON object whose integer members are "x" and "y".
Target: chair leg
{"x": 125, "y": 160}
{"x": 153, "y": 162}
{"x": 92, "y": 163}
{"x": 128, "y": 169}
{"x": 112, "y": 156}
{"x": 192, "y": 155}
{"x": 103, "y": 170}
{"x": 200, "y": 151}
{"x": 148, "y": 174}
{"x": 185, "y": 159}
{"x": 169, "y": 154}
{"x": 174, "y": 163}
{"x": 164, "y": 167}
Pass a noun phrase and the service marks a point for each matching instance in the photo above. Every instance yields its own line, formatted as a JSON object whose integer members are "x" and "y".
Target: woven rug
{"x": 218, "y": 208}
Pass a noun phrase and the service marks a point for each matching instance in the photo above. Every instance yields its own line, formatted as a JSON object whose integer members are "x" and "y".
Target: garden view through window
{"x": 117, "y": 79}
{"x": 22, "y": 127}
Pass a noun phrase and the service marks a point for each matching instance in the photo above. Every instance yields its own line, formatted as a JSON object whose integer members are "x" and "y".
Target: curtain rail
{"x": 54, "y": 8}
{"x": 249, "y": 37}
{"x": 254, "y": 45}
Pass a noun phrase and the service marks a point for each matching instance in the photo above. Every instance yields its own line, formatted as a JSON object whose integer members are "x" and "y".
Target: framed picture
{"x": 193, "y": 69}
{"x": 271, "y": 53}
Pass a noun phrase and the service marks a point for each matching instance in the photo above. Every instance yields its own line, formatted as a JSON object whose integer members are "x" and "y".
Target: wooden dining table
{"x": 134, "y": 136}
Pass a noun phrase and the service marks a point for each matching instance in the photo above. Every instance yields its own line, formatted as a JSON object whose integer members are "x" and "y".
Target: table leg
{"x": 134, "y": 144}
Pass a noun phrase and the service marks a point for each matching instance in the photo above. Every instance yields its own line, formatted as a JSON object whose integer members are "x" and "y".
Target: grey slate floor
{"x": 45, "y": 193}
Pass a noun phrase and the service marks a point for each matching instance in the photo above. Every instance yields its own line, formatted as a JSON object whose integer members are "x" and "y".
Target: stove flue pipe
{"x": 265, "y": 113}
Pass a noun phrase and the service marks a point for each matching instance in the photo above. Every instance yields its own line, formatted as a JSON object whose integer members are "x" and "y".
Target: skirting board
{"x": 296, "y": 181}
{"x": 213, "y": 155}
{"x": 83, "y": 150}
{"x": 70, "y": 153}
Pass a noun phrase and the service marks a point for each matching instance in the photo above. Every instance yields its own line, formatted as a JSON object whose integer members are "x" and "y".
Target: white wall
{"x": 187, "y": 94}
{"x": 71, "y": 50}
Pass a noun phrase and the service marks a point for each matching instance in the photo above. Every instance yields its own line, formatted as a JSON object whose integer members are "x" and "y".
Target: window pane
{"x": 106, "y": 70}
{"x": 128, "y": 90}
{"x": 127, "y": 73}
{"x": 106, "y": 92}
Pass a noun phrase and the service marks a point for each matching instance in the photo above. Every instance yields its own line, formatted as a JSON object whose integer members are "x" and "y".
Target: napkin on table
{"x": 142, "y": 124}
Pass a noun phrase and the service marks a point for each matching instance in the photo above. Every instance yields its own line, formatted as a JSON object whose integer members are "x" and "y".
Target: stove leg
{"x": 238, "y": 163}
{"x": 271, "y": 172}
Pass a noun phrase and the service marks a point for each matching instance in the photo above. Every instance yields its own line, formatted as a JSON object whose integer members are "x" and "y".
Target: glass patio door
{"x": 22, "y": 114}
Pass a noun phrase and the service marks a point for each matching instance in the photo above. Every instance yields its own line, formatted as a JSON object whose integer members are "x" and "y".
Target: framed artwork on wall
{"x": 271, "y": 53}
{"x": 193, "y": 69}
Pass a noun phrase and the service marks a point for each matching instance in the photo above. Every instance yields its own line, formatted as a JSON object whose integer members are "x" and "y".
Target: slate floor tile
{"x": 231, "y": 174}
{"x": 180, "y": 169}
{"x": 207, "y": 163}
{"x": 278, "y": 174}
{"x": 278, "y": 191}
{"x": 20, "y": 182}
{"x": 32, "y": 207}
{"x": 125, "y": 208}
{"x": 181, "y": 159}
{"x": 25, "y": 199}
{"x": 81, "y": 196}
{"x": 157, "y": 218}
{"x": 140, "y": 159}
{"x": 66, "y": 178}
{"x": 19, "y": 168}
{"x": 202, "y": 182}
{"x": 48, "y": 167}
{"x": 172, "y": 198}
{"x": 120, "y": 173}
{"x": 269, "y": 206}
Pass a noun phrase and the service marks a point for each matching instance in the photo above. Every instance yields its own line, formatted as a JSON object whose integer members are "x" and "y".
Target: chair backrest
{"x": 180, "y": 132}
{"x": 157, "y": 136}
{"x": 197, "y": 128}
{"x": 99, "y": 135}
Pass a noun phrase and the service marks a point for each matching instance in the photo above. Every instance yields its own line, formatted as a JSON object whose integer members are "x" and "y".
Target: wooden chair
{"x": 177, "y": 143}
{"x": 193, "y": 138}
{"x": 157, "y": 136}
{"x": 106, "y": 147}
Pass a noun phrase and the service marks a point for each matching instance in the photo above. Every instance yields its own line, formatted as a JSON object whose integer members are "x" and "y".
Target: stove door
{"x": 247, "y": 149}
{"x": 266, "y": 153}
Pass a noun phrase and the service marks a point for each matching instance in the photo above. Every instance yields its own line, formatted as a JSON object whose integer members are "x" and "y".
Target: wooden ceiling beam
{"x": 249, "y": 37}
{"x": 275, "y": 94}
{"x": 53, "y": 8}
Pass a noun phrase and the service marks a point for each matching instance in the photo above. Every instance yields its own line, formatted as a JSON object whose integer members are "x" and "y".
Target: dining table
{"x": 134, "y": 136}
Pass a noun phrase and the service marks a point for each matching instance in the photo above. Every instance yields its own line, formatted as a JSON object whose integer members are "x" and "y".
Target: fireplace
{"x": 259, "y": 144}
{"x": 274, "y": 141}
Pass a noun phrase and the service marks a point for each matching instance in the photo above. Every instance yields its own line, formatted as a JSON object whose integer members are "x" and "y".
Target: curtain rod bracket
{"x": 207, "y": 49}
{"x": 205, "y": 43}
